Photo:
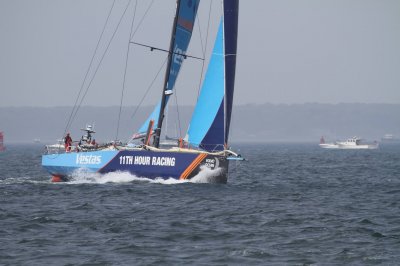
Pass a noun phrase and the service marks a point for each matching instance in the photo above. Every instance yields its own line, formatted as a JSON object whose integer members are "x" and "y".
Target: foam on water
{"x": 20, "y": 180}
{"x": 81, "y": 176}
{"x": 206, "y": 175}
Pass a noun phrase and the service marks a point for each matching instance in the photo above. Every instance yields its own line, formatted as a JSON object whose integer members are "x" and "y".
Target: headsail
{"x": 209, "y": 127}
{"x": 206, "y": 129}
{"x": 185, "y": 18}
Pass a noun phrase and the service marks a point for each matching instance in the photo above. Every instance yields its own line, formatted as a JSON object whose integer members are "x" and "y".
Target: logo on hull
{"x": 147, "y": 160}
{"x": 212, "y": 163}
{"x": 88, "y": 159}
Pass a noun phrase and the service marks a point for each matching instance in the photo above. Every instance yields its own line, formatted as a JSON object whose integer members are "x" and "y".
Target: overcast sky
{"x": 290, "y": 51}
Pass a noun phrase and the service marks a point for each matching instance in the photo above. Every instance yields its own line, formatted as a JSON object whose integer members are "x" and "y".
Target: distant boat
{"x": 57, "y": 147}
{"x": 353, "y": 143}
{"x": 36, "y": 140}
{"x": 325, "y": 145}
{"x": 2, "y": 147}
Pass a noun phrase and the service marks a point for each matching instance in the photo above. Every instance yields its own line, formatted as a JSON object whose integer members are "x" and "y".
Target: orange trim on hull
{"x": 56, "y": 179}
{"x": 193, "y": 166}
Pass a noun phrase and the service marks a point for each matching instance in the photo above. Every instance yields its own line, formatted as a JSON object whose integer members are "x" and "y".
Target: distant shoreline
{"x": 251, "y": 123}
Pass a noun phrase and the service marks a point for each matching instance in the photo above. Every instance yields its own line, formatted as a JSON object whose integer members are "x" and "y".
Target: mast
{"x": 231, "y": 18}
{"x": 165, "y": 91}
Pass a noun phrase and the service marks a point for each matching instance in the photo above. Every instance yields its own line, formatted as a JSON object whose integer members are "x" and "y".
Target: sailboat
{"x": 205, "y": 146}
{"x": 2, "y": 147}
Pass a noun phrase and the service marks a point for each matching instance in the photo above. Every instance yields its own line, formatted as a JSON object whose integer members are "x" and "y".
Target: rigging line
{"x": 205, "y": 51}
{"x": 148, "y": 89}
{"x": 90, "y": 67}
{"x": 126, "y": 67}
{"x": 101, "y": 60}
{"x": 141, "y": 21}
{"x": 178, "y": 116}
{"x": 201, "y": 37}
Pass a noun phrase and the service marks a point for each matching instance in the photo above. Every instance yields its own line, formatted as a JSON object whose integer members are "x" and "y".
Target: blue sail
{"x": 231, "y": 18}
{"x": 209, "y": 127}
{"x": 185, "y": 20}
{"x": 153, "y": 116}
{"x": 206, "y": 129}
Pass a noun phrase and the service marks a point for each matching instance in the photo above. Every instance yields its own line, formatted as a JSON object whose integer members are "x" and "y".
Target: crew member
{"x": 68, "y": 142}
{"x": 89, "y": 137}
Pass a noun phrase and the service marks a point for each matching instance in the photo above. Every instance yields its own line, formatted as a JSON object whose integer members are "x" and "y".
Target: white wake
{"x": 205, "y": 175}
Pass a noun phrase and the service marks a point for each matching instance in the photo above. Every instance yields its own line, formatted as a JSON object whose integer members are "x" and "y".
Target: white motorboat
{"x": 351, "y": 143}
{"x": 356, "y": 143}
{"x": 325, "y": 145}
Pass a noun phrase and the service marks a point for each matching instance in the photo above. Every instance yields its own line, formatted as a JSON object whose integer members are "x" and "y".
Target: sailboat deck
{"x": 60, "y": 149}
{"x": 172, "y": 149}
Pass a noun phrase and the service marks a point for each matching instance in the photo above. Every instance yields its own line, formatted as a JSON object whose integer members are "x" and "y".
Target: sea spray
{"x": 82, "y": 176}
{"x": 206, "y": 175}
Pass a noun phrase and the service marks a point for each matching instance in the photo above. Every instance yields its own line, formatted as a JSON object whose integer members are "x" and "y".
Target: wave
{"x": 21, "y": 180}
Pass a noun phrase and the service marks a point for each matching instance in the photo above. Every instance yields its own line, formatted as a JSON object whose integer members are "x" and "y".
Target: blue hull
{"x": 141, "y": 163}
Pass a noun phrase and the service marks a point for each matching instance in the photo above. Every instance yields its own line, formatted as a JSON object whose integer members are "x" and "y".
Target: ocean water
{"x": 288, "y": 204}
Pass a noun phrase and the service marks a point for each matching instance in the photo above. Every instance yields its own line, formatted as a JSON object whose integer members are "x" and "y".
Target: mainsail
{"x": 185, "y": 18}
{"x": 209, "y": 127}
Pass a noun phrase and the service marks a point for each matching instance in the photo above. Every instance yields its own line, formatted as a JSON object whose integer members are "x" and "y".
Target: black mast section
{"x": 157, "y": 133}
